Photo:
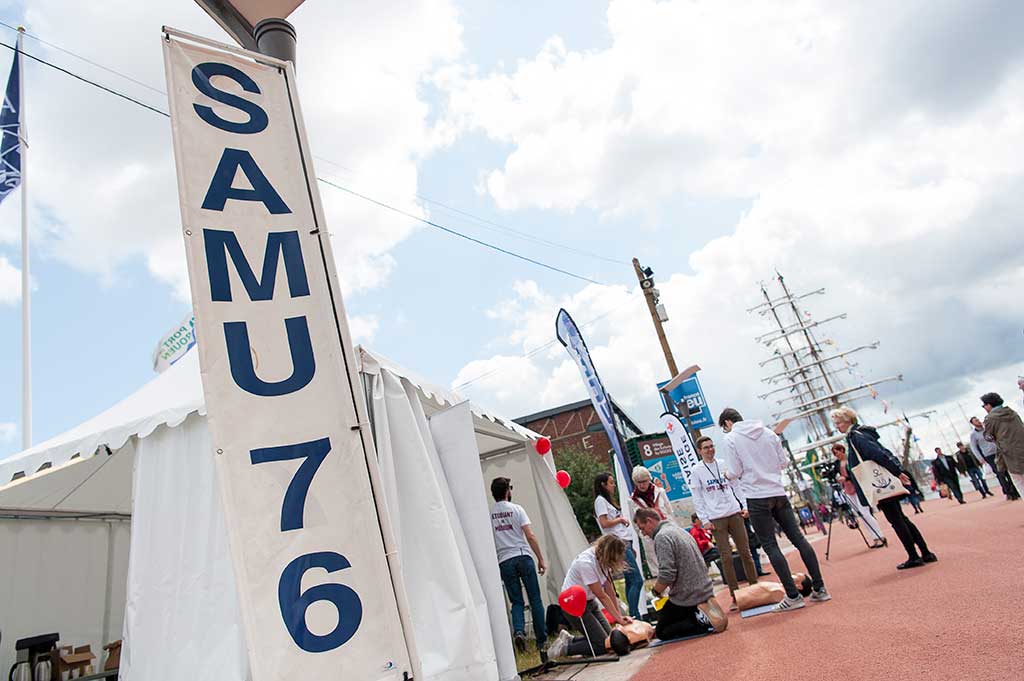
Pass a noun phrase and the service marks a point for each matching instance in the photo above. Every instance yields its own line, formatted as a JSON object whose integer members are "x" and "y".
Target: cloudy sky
{"x": 872, "y": 149}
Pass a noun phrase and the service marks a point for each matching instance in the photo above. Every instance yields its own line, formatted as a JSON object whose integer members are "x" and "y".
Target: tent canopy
{"x": 127, "y": 512}
{"x": 75, "y": 472}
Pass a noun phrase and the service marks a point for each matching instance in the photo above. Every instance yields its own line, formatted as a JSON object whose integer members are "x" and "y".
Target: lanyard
{"x": 718, "y": 473}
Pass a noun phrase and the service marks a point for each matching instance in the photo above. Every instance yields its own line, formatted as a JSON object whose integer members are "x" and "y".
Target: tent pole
{"x": 109, "y": 587}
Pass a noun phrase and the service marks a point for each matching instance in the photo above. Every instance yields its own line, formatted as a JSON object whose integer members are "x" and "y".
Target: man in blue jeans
{"x": 754, "y": 454}
{"x": 972, "y": 466}
{"x": 514, "y": 540}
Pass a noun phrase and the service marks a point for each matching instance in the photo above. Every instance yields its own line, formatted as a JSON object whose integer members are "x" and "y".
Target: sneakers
{"x": 787, "y": 604}
{"x": 820, "y": 595}
{"x": 910, "y": 563}
{"x": 519, "y": 640}
{"x": 929, "y": 557}
{"x": 712, "y": 612}
{"x": 561, "y": 645}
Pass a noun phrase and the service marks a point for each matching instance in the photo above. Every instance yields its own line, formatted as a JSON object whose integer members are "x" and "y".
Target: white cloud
{"x": 363, "y": 328}
{"x": 719, "y": 99}
{"x": 10, "y": 282}
{"x": 903, "y": 201}
{"x": 103, "y": 185}
{"x": 8, "y": 431}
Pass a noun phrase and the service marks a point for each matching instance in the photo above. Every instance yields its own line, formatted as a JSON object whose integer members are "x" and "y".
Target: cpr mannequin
{"x": 638, "y": 632}
{"x": 768, "y": 593}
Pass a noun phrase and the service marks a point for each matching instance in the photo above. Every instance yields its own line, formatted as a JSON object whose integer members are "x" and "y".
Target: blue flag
{"x": 10, "y": 132}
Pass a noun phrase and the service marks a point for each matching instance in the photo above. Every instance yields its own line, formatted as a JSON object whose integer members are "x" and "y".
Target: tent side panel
{"x": 182, "y": 619}
{"x": 455, "y": 441}
{"x": 53, "y": 578}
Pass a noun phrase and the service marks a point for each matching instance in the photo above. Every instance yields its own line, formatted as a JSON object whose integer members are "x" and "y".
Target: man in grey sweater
{"x": 691, "y": 607}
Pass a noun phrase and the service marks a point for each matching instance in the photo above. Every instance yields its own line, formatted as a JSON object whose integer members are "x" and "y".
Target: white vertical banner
{"x": 682, "y": 443}
{"x": 320, "y": 596}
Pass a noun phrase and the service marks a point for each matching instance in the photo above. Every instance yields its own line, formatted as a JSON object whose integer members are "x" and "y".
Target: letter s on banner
{"x": 316, "y": 588}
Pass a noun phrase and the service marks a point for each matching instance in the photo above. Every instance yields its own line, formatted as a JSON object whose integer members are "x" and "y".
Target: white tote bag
{"x": 877, "y": 483}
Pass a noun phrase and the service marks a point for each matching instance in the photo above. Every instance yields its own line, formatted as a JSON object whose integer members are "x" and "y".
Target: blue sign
{"x": 690, "y": 391}
{"x": 668, "y": 471}
{"x": 662, "y": 462}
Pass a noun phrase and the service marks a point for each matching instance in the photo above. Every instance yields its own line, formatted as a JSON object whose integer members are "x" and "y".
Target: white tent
{"x": 116, "y": 526}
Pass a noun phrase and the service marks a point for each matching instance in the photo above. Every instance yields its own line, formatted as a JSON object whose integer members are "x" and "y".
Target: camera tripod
{"x": 840, "y": 504}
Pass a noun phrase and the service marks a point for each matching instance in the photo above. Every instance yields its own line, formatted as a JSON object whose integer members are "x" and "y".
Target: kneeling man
{"x": 691, "y": 607}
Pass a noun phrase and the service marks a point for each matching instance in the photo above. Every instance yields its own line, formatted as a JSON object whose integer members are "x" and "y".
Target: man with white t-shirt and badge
{"x": 717, "y": 498}
{"x": 514, "y": 540}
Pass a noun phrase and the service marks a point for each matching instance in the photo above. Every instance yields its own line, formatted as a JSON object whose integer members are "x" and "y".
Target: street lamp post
{"x": 257, "y": 25}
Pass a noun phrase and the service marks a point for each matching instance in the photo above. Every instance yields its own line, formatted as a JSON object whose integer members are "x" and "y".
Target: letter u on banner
{"x": 319, "y": 595}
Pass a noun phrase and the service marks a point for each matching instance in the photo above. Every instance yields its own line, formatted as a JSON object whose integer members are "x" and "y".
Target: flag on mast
{"x": 12, "y": 156}
{"x": 10, "y": 129}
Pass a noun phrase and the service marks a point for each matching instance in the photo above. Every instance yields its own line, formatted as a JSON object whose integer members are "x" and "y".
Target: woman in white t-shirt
{"x": 592, "y": 569}
{"x": 610, "y": 520}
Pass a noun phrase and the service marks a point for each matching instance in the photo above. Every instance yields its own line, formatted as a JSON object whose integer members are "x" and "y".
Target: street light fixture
{"x": 257, "y": 25}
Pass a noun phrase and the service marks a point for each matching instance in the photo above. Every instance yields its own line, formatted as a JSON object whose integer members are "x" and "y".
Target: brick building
{"x": 577, "y": 425}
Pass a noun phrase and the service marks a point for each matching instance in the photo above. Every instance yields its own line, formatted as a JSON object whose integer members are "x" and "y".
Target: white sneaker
{"x": 560, "y": 645}
{"x": 820, "y": 595}
{"x": 712, "y": 613}
{"x": 787, "y": 604}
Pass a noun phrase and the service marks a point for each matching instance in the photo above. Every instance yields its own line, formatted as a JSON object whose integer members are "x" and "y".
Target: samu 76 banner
{"x": 295, "y": 462}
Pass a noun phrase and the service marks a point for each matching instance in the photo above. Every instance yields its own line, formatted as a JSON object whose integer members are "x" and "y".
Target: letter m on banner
{"x": 319, "y": 594}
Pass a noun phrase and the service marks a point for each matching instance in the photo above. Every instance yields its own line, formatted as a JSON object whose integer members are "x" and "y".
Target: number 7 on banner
{"x": 314, "y": 453}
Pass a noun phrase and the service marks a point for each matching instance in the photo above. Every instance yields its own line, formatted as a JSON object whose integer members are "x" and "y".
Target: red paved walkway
{"x": 960, "y": 618}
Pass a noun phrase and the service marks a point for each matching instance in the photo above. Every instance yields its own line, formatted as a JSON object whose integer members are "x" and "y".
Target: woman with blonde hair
{"x": 648, "y": 495}
{"x": 864, "y": 446}
{"x": 593, "y": 569}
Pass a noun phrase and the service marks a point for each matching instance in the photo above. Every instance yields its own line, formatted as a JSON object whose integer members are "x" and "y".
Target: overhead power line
{"x": 86, "y": 80}
{"x": 85, "y": 59}
{"x": 479, "y": 221}
{"x": 453, "y": 232}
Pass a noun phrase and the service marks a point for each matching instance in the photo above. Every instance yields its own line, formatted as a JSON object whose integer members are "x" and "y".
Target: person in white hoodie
{"x": 754, "y": 454}
{"x": 721, "y": 508}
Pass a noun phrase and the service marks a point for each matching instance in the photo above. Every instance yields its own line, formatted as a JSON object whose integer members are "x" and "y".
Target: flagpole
{"x": 26, "y": 330}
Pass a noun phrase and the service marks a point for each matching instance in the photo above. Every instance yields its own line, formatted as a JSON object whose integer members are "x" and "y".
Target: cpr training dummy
{"x": 768, "y": 593}
{"x": 587, "y": 590}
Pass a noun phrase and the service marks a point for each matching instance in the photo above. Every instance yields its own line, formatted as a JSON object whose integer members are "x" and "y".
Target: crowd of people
{"x": 740, "y": 500}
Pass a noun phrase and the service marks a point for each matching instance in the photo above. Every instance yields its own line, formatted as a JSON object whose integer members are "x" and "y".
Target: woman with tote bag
{"x": 870, "y": 461}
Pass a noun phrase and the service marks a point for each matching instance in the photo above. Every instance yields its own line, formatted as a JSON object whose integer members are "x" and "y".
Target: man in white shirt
{"x": 720, "y": 506}
{"x": 755, "y": 456}
{"x": 514, "y": 540}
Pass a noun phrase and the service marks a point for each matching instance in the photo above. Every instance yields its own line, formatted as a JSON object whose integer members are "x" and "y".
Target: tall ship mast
{"x": 806, "y": 377}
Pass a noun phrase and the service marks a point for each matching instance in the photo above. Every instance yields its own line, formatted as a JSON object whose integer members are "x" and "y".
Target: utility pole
{"x": 645, "y": 275}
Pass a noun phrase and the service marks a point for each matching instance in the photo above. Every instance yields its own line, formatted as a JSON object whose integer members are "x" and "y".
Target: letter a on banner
{"x": 314, "y": 557}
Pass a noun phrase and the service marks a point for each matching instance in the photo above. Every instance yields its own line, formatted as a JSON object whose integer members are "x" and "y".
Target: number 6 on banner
{"x": 295, "y": 496}
{"x": 295, "y": 602}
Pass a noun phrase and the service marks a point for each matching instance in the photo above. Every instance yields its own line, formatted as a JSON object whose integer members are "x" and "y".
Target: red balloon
{"x": 607, "y": 615}
{"x": 563, "y": 479}
{"x": 573, "y": 600}
{"x": 542, "y": 445}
